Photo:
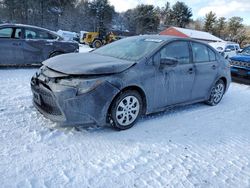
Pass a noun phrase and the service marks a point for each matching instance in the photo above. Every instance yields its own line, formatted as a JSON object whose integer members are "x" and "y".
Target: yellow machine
{"x": 96, "y": 40}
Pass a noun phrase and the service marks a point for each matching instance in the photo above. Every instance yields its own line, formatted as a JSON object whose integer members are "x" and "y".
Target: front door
{"x": 176, "y": 81}
{"x": 11, "y": 52}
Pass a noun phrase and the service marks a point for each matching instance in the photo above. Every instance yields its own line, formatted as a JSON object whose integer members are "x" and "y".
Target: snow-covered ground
{"x": 84, "y": 48}
{"x": 192, "y": 146}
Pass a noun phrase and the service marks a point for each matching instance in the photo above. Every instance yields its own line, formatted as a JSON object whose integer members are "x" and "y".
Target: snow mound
{"x": 84, "y": 48}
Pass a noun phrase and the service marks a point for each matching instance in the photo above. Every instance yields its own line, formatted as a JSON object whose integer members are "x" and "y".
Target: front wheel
{"x": 126, "y": 109}
{"x": 217, "y": 93}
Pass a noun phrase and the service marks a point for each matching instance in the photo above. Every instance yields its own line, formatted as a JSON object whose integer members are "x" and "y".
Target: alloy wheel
{"x": 218, "y": 92}
{"x": 127, "y": 110}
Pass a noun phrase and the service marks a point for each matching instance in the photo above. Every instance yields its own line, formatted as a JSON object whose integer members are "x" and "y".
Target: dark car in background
{"x": 240, "y": 64}
{"x": 123, "y": 80}
{"x": 27, "y": 45}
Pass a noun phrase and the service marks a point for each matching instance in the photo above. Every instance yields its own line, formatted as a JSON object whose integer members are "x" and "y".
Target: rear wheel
{"x": 97, "y": 44}
{"x": 126, "y": 109}
{"x": 217, "y": 93}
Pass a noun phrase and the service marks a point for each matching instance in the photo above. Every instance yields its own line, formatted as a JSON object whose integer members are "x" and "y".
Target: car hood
{"x": 87, "y": 64}
{"x": 241, "y": 57}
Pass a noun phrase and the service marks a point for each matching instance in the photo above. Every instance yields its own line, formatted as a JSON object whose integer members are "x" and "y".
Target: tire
{"x": 126, "y": 109}
{"x": 55, "y": 54}
{"x": 97, "y": 44}
{"x": 217, "y": 93}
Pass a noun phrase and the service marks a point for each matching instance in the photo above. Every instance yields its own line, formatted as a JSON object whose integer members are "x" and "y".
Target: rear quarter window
{"x": 212, "y": 55}
{"x": 230, "y": 47}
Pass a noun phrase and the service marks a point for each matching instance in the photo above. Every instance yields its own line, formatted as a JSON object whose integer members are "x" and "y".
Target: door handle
{"x": 16, "y": 44}
{"x": 191, "y": 71}
{"x": 213, "y": 67}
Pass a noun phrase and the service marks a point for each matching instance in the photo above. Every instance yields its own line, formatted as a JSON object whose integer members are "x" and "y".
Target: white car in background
{"x": 68, "y": 35}
{"x": 227, "y": 49}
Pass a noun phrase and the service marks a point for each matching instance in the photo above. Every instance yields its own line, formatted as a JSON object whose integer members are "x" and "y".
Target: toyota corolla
{"x": 122, "y": 81}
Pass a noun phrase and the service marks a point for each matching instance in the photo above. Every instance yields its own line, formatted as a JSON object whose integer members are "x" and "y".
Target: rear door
{"x": 206, "y": 70}
{"x": 11, "y": 46}
{"x": 38, "y": 45}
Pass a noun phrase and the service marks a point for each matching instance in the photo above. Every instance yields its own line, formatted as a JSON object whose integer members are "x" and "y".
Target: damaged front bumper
{"x": 63, "y": 104}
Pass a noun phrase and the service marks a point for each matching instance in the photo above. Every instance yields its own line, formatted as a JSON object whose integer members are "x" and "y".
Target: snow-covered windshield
{"x": 132, "y": 48}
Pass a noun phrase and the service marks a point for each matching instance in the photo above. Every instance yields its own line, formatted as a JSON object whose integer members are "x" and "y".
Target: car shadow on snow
{"x": 195, "y": 123}
{"x": 141, "y": 124}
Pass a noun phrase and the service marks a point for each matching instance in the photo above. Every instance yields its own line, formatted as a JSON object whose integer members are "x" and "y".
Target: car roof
{"x": 226, "y": 43}
{"x": 28, "y": 26}
{"x": 168, "y": 38}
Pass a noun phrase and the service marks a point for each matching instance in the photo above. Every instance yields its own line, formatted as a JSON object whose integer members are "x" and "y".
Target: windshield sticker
{"x": 153, "y": 40}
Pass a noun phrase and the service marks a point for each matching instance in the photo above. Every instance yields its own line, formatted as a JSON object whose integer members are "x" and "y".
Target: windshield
{"x": 246, "y": 51}
{"x": 132, "y": 48}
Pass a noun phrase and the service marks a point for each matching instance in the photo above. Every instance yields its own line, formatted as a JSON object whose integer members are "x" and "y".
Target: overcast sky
{"x": 226, "y": 8}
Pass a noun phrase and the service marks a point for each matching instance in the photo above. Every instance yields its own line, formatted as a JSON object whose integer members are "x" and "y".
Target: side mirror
{"x": 169, "y": 61}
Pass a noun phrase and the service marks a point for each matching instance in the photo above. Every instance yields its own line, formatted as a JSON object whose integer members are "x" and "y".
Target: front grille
{"x": 45, "y": 100}
{"x": 240, "y": 64}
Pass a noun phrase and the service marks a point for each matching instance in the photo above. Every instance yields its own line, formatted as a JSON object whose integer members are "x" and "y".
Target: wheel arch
{"x": 224, "y": 80}
{"x": 54, "y": 52}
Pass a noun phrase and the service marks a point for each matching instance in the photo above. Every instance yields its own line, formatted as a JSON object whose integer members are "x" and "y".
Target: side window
{"x": 6, "y": 32}
{"x": 30, "y": 34}
{"x": 18, "y": 33}
{"x": 178, "y": 50}
{"x": 200, "y": 52}
{"x": 38, "y": 34}
{"x": 51, "y": 36}
{"x": 230, "y": 47}
{"x": 212, "y": 56}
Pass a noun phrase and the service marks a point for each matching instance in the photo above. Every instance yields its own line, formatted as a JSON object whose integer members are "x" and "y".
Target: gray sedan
{"x": 26, "y": 45}
{"x": 118, "y": 83}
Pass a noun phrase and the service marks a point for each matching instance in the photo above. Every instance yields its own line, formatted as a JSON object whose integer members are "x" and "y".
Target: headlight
{"x": 69, "y": 82}
{"x": 83, "y": 86}
{"x": 87, "y": 86}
